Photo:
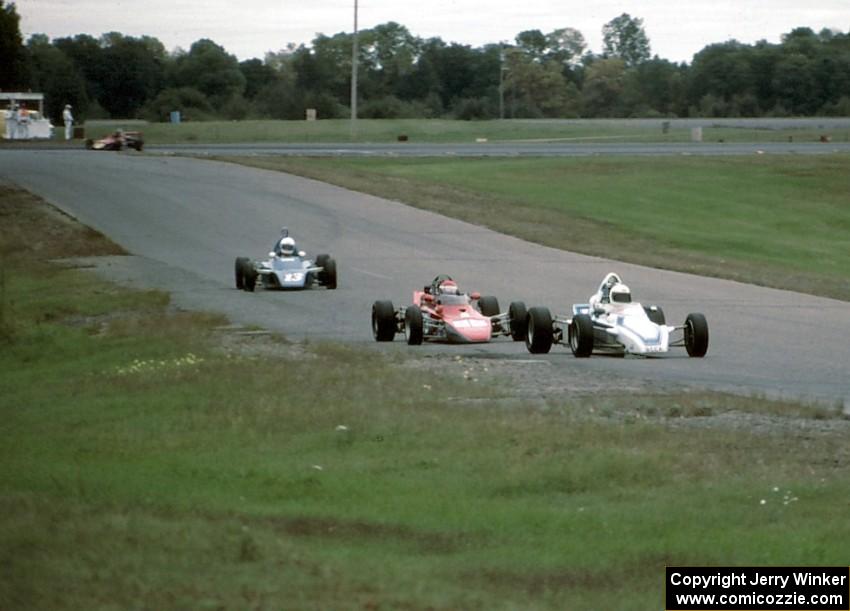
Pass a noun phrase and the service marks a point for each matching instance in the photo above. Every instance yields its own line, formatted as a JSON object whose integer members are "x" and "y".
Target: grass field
{"x": 439, "y": 130}
{"x": 781, "y": 221}
{"x": 150, "y": 459}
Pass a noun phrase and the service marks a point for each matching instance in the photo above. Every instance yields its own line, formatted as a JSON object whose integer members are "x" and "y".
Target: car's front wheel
{"x": 538, "y": 339}
{"x": 383, "y": 321}
{"x": 581, "y": 335}
{"x": 696, "y": 335}
{"x": 413, "y": 325}
{"x": 518, "y": 317}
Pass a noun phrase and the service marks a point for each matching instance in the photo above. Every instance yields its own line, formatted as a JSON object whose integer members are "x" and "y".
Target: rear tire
{"x": 240, "y": 266}
{"x": 656, "y": 315}
{"x": 518, "y": 317}
{"x": 413, "y": 325}
{"x": 696, "y": 335}
{"x": 581, "y": 336}
{"x": 249, "y": 278}
{"x": 383, "y": 321}
{"x": 538, "y": 338}
{"x": 488, "y": 305}
{"x": 330, "y": 273}
{"x": 89, "y": 144}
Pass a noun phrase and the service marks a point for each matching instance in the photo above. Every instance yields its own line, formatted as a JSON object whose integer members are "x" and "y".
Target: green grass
{"x": 442, "y": 131}
{"x": 781, "y": 221}
{"x": 142, "y": 465}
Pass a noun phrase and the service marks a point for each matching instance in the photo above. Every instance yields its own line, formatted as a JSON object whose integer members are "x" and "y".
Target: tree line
{"x": 404, "y": 76}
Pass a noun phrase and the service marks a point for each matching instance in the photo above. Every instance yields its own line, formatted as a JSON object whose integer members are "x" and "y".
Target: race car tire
{"x": 330, "y": 273}
{"x": 581, "y": 336}
{"x": 518, "y": 317}
{"x": 249, "y": 278}
{"x": 89, "y": 144}
{"x": 655, "y": 314}
{"x": 488, "y": 305}
{"x": 383, "y": 321}
{"x": 320, "y": 262}
{"x": 538, "y": 337}
{"x": 413, "y": 325}
{"x": 696, "y": 335}
{"x": 241, "y": 265}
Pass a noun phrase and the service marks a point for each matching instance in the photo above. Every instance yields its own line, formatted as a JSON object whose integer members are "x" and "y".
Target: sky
{"x": 251, "y": 28}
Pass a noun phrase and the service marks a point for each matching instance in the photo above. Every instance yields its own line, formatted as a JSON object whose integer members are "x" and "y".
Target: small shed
{"x": 20, "y": 96}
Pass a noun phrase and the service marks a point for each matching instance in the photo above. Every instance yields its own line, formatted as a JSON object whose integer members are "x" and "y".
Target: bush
{"x": 192, "y": 104}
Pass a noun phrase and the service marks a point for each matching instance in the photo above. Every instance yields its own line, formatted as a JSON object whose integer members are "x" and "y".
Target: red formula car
{"x": 117, "y": 141}
{"x": 440, "y": 312}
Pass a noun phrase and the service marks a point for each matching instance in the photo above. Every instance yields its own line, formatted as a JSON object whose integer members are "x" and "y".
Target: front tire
{"x": 488, "y": 305}
{"x": 538, "y": 338}
{"x": 696, "y": 335}
{"x": 518, "y": 317}
{"x": 581, "y": 336}
{"x": 413, "y": 325}
{"x": 240, "y": 267}
{"x": 383, "y": 321}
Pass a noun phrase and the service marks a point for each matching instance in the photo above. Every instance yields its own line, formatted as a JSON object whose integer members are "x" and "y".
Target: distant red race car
{"x": 440, "y": 312}
{"x": 116, "y": 141}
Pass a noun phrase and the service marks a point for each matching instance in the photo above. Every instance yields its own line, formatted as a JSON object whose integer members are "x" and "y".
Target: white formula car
{"x": 612, "y": 324}
{"x": 286, "y": 268}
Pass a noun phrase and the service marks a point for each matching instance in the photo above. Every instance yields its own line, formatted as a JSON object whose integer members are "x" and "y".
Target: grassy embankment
{"x": 144, "y": 466}
{"x": 440, "y": 131}
{"x": 780, "y": 221}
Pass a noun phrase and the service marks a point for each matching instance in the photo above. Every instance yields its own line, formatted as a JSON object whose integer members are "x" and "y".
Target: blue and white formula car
{"x": 610, "y": 323}
{"x": 286, "y": 268}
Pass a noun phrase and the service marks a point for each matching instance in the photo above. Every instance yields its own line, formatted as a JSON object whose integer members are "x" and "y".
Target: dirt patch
{"x": 34, "y": 228}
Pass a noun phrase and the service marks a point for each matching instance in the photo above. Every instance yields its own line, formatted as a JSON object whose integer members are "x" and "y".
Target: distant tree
{"x": 132, "y": 72}
{"x": 55, "y": 75}
{"x": 257, "y": 75}
{"x": 602, "y": 95}
{"x": 624, "y": 37}
{"x": 208, "y": 68}
{"x": 533, "y": 44}
{"x": 192, "y": 104}
{"x": 14, "y": 74}
{"x": 565, "y": 46}
{"x": 537, "y": 89}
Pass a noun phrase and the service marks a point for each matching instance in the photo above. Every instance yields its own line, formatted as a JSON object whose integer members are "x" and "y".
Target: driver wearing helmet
{"x": 448, "y": 287}
{"x": 611, "y": 296}
{"x": 285, "y": 247}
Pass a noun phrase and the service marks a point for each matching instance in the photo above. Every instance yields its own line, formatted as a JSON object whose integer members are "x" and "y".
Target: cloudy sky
{"x": 249, "y": 28}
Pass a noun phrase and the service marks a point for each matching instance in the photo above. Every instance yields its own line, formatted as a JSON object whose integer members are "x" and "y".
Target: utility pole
{"x": 502, "y": 80}
{"x": 354, "y": 54}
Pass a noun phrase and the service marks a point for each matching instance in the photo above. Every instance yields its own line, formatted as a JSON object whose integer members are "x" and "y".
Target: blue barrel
{"x": 175, "y": 116}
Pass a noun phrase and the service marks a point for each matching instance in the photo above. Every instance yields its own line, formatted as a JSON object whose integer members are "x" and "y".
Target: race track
{"x": 187, "y": 219}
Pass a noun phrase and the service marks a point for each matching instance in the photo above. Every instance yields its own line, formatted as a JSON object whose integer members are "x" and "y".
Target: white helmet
{"x": 620, "y": 293}
{"x": 287, "y": 246}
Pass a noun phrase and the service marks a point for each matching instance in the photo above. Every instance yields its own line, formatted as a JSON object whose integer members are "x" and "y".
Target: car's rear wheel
{"x": 518, "y": 317}
{"x": 538, "y": 338}
{"x": 581, "y": 335}
{"x": 249, "y": 278}
{"x": 655, "y": 314}
{"x": 89, "y": 144}
{"x": 330, "y": 273}
{"x": 383, "y": 321}
{"x": 413, "y": 325}
{"x": 488, "y": 305}
{"x": 240, "y": 266}
{"x": 696, "y": 335}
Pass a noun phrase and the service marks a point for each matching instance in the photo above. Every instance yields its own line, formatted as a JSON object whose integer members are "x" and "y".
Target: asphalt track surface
{"x": 186, "y": 220}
